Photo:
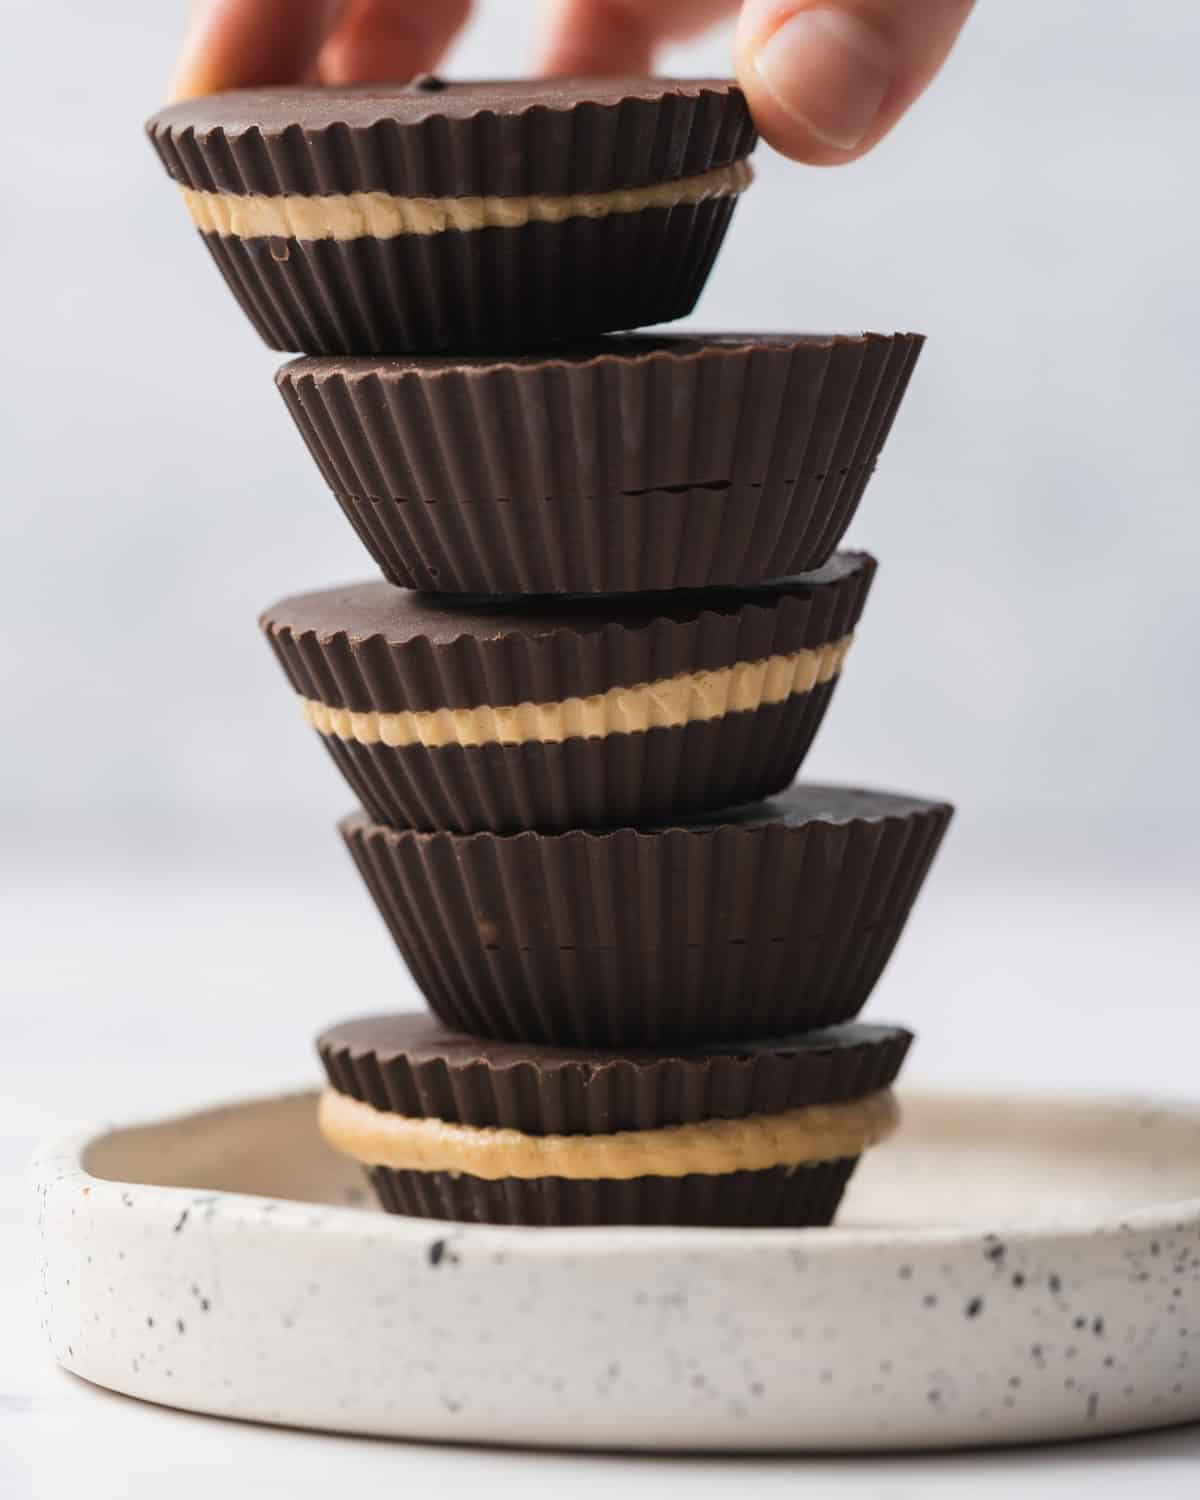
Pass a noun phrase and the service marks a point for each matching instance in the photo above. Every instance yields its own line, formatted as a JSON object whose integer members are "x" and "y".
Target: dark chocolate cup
{"x": 618, "y": 465}
{"x": 492, "y": 288}
{"x": 779, "y": 920}
{"x": 373, "y": 650}
{"x": 405, "y": 1064}
{"x": 779, "y": 1198}
{"x": 483, "y": 289}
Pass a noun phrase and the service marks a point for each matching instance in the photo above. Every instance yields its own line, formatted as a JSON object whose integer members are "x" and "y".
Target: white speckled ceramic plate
{"x": 1006, "y": 1269}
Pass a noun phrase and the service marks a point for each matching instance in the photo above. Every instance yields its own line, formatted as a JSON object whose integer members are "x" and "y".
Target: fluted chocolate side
{"x": 646, "y": 939}
{"x": 662, "y": 539}
{"x": 484, "y": 289}
{"x": 597, "y": 781}
{"x": 407, "y": 1064}
{"x": 623, "y": 464}
{"x": 778, "y": 1198}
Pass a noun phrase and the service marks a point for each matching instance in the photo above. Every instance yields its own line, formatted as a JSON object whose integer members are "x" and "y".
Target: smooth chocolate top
{"x": 803, "y": 805}
{"x": 807, "y": 802}
{"x": 363, "y": 610}
{"x": 410, "y": 1064}
{"x": 614, "y": 349}
{"x": 499, "y": 136}
{"x": 422, "y": 1038}
{"x": 371, "y": 646}
{"x": 361, "y": 106}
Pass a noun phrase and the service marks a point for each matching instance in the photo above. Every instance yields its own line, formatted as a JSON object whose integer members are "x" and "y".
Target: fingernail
{"x": 829, "y": 72}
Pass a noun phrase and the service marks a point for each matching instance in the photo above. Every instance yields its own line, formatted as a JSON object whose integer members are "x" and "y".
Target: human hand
{"x": 825, "y": 79}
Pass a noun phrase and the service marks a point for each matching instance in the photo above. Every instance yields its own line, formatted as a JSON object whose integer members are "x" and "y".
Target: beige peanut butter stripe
{"x": 798, "y": 1137}
{"x": 351, "y": 216}
{"x": 668, "y": 703}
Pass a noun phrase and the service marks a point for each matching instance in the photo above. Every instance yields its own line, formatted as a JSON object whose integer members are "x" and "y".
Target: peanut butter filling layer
{"x": 351, "y": 216}
{"x": 667, "y": 703}
{"x": 756, "y": 1143}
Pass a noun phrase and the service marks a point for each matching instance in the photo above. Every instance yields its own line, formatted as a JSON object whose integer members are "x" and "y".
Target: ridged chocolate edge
{"x": 590, "y": 148}
{"x": 764, "y": 415}
{"x": 629, "y": 939}
{"x": 663, "y": 539}
{"x": 778, "y": 1198}
{"x": 493, "y": 289}
{"x": 365, "y": 673}
{"x": 582, "y": 782}
{"x": 601, "y": 1094}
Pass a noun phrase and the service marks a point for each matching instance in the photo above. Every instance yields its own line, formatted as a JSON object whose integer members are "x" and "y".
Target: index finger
{"x": 245, "y": 43}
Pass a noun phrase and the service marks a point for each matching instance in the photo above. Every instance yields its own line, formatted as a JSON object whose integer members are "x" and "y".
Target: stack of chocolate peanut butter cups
{"x": 611, "y": 620}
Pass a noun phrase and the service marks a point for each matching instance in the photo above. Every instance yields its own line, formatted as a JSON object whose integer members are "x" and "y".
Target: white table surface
{"x": 170, "y": 978}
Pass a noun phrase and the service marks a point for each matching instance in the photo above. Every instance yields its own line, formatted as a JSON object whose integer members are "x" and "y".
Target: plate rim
{"x": 61, "y": 1160}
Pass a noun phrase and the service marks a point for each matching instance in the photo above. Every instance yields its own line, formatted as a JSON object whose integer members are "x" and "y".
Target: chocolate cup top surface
{"x": 409, "y": 1064}
{"x": 806, "y": 803}
{"x": 611, "y": 349}
{"x": 421, "y": 1038}
{"x": 377, "y": 610}
{"x": 359, "y": 106}
{"x": 457, "y": 139}
{"x": 803, "y": 805}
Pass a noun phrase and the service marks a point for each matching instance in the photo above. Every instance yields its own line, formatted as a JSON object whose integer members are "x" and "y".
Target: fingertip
{"x": 190, "y": 80}
{"x": 250, "y": 44}
{"x": 192, "y": 75}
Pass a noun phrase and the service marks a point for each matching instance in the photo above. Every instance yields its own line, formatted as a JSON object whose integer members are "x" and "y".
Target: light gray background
{"x": 178, "y": 918}
{"x": 1031, "y": 645}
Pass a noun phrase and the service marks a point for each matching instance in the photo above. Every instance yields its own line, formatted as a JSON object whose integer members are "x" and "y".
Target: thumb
{"x": 826, "y": 79}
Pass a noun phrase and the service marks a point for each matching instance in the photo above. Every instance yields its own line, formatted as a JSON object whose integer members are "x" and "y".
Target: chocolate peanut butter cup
{"x": 449, "y": 1126}
{"x": 556, "y": 712}
{"x": 769, "y": 919}
{"x": 616, "y": 464}
{"x": 390, "y": 218}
